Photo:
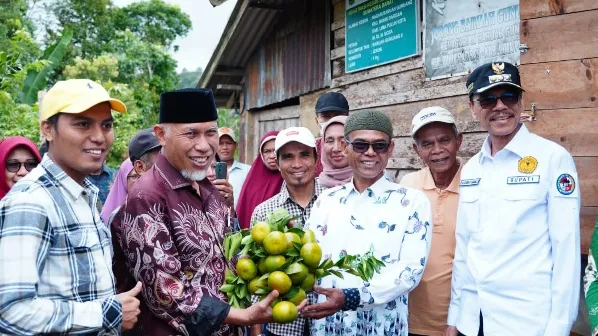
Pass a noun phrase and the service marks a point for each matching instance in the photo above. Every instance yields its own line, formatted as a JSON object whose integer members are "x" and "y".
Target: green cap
{"x": 368, "y": 120}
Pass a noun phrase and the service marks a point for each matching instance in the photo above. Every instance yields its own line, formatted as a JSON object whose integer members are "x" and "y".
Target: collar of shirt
{"x": 236, "y": 165}
{"x": 429, "y": 184}
{"x": 375, "y": 190}
{"x": 73, "y": 188}
{"x": 284, "y": 195}
{"x": 517, "y": 145}
{"x": 175, "y": 179}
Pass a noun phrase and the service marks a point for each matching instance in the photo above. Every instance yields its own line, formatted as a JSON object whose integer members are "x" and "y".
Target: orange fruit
{"x": 284, "y": 312}
{"x": 274, "y": 263}
{"x": 259, "y": 232}
{"x": 279, "y": 281}
{"x": 292, "y": 237}
{"x": 308, "y": 237}
{"x": 246, "y": 269}
{"x": 275, "y": 243}
{"x": 256, "y": 284}
{"x": 298, "y": 277}
{"x": 299, "y": 297}
{"x": 311, "y": 254}
{"x": 308, "y": 284}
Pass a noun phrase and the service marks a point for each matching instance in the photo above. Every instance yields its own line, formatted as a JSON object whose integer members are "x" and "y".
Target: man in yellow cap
{"x": 55, "y": 252}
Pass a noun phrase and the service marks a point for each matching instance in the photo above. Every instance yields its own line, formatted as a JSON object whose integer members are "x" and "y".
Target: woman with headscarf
{"x": 123, "y": 180}
{"x": 18, "y": 156}
{"x": 334, "y": 159}
{"x": 263, "y": 180}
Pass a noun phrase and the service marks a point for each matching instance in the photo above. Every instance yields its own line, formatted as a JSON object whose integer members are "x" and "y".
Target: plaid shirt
{"x": 55, "y": 258}
{"x": 285, "y": 201}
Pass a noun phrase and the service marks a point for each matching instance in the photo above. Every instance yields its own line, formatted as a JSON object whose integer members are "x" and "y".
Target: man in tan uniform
{"x": 436, "y": 142}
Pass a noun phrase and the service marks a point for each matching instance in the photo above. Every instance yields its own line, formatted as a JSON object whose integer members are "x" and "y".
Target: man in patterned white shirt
{"x": 55, "y": 252}
{"x": 296, "y": 155}
{"x": 370, "y": 213}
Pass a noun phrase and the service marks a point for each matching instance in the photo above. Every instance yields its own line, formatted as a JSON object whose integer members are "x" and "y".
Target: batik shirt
{"x": 283, "y": 200}
{"x": 172, "y": 233}
{"x": 55, "y": 258}
{"x": 394, "y": 222}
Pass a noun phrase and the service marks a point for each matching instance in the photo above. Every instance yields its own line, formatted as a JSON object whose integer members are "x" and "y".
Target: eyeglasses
{"x": 15, "y": 166}
{"x": 489, "y": 102}
{"x": 363, "y": 146}
{"x": 132, "y": 177}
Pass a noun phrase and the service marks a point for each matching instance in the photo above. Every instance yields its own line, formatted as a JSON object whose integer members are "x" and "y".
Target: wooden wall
{"x": 401, "y": 90}
{"x": 259, "y": 123}
{"x": 559, "y": 73}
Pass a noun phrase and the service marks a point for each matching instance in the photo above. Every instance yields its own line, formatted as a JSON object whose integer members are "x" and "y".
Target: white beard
{"x": 197, "y": 175}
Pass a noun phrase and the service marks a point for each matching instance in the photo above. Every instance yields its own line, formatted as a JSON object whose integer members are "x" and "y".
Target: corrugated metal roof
{"x": 246, "y": 27}
{"x": 287, "y": 58}
{"x": 294, "y": 59}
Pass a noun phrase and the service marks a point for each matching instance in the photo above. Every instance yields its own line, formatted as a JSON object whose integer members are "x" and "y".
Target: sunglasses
{"x": 489, "y": 102}
{"x": 15, "y": 166}
{"x": 363, "y": 146}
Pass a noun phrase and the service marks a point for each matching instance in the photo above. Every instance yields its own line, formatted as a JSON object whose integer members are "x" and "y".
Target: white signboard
{"x": 460, "y": 35}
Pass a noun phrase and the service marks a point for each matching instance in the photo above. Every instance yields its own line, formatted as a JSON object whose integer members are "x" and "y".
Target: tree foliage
{"x": 189, "y": 79}
{"x": 127, "y": 50}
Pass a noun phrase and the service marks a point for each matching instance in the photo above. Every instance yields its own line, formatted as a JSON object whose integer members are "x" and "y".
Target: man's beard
{"x": 195, "y": 175}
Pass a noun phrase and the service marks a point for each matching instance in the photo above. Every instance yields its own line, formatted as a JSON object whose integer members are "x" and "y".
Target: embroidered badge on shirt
{"x": 528, "y": 165}
{"x": 470, "y": 182}
{"x": 523, "y": 179}
{"x": 565, "y": 184}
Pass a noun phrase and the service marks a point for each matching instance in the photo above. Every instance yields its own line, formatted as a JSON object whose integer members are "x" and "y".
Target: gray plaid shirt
{"x": 285, "y": 201}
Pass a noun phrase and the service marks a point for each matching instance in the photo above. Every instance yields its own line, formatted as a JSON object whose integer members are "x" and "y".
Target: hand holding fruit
{"x": 335, "y": 300}
{"x": 286, "y": 261}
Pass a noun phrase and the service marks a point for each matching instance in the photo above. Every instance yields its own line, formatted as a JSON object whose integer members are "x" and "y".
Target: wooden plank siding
{"x": 270, "y": 120}
{"x": 559, "y": 73}
{"x": 400, "y": 89}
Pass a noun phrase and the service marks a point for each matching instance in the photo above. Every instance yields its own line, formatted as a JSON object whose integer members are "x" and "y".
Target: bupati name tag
{"x": 523, "y": 179}
{"x": 469, "y": 182}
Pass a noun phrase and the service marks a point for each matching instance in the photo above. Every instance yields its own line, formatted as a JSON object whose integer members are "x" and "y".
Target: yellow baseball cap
{"x": 76, "y": 96}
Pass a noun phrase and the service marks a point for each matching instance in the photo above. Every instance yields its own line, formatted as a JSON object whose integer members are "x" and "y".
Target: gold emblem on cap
{"x": 498, "y": 68}
{"x": 470, "y": 87}
{"x": 528, "y": 164}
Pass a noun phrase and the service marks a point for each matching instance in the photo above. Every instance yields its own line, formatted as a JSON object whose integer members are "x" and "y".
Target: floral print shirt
{"x": 394, "y": 222}
{"x": 171, "y": 234}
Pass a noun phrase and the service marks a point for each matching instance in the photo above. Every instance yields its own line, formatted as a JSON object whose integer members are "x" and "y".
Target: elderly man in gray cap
{"x": 370, "y": 213}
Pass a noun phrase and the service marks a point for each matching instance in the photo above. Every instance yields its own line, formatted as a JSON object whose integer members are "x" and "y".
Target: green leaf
{"x": 265, "y": 276}
{"x": 292, "y": 292}
{"x": 293, "y": 268}
{"x": 326, "y": 264}
{"x": 336, "y": 273}
{"x": 243, "y": 293}
{"x": 298, "y": 231}
{"x": 227, "y": 288}
{"x": 245, "y": 249}
{"x": 262, "y": 291}
{"x": 37, "y": 80}
{"x": 229, "y": 276}
{"x": 287, "y": 263}
{"x": 239, "y": 289}
{"x": 292, "y": 253}
{"x": 297, "y": 246}
{"x": 240, "y": 281}
{"x": 354, "y": 272}
{"x": 246, "y": 240}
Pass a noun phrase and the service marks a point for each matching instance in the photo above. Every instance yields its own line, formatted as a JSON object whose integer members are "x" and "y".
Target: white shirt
{"x": 517, "y": 256}
{"x": 236, "y": 177}
{"x": 395, "y": 222}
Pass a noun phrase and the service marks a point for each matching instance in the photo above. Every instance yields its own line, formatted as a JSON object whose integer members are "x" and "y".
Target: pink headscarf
{"x": 7, "y": 145}
{"x": 332, "y": 177}
{"x": 119, "y": 190}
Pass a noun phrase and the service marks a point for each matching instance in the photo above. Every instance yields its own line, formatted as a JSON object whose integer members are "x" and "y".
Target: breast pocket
{"x": 469, "y": 208}
{"x": 83, "y": 239}
{"x": 524, "y": 201}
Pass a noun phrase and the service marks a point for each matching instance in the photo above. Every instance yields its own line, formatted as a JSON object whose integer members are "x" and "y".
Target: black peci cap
{"x": 143, "y": 142}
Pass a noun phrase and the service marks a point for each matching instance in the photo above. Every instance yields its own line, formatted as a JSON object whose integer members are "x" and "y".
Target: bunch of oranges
{"x": 274, "y": 256}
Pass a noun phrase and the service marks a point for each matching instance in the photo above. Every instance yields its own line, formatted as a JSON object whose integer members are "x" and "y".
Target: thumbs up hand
{"x": 130, "y": 306}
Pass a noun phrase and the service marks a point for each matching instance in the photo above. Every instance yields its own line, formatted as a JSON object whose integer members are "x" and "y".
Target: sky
{"x": 196, "y": 48}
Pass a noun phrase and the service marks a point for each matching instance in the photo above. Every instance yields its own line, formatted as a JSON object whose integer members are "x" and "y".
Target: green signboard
{"x": 379, "y": 32}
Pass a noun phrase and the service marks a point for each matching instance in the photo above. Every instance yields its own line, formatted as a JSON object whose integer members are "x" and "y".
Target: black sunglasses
{"x": 15, "y": 166}
{"x": 363, "y": 146}
{"x": 489, "y": 101}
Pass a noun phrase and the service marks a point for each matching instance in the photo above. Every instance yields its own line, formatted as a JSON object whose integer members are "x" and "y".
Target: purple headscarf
{"x": 118, "y": 192}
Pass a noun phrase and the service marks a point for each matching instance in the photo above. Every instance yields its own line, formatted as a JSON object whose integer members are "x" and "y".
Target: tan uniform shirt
{"x": 429, "y": 301}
